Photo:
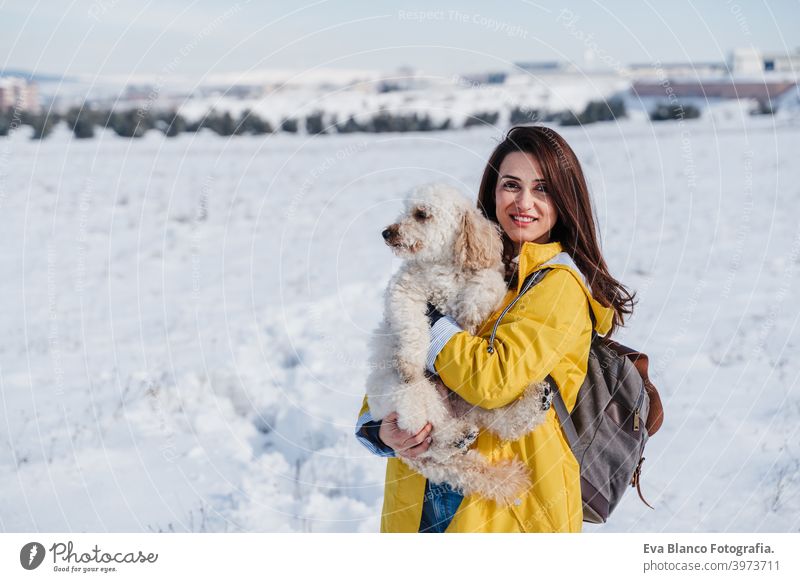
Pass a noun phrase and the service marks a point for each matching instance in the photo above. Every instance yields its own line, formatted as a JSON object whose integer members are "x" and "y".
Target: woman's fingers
{"x": 415, "y": 439}
{"x": 405, "y": 443}
{"x": 417, "y": 450}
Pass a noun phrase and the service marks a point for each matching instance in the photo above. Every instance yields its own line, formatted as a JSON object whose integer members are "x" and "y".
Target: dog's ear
{"x": 478, "y": 244}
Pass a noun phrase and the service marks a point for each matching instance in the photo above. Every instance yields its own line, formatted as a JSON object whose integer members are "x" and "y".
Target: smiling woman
{"x": 524, "y": 207}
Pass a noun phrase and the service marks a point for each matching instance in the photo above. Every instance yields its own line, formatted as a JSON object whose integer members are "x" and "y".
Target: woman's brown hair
{"x": 575, "y": 228}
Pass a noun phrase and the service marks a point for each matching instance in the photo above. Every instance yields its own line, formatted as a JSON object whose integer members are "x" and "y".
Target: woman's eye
{"x": 511, "y": 185}
{"x": 541, "y": 188}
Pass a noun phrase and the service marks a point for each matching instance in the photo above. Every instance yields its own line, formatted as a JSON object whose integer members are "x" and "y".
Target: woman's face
{"x": 523, "y": 203}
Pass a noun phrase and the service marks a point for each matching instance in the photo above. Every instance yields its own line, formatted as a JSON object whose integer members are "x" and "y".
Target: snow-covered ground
{"x": 186, "y": 321}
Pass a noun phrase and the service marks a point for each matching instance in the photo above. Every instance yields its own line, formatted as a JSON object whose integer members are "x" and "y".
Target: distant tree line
{"x": 84, "y": 122}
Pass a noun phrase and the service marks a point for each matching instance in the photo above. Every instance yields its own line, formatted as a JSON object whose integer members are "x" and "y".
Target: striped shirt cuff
{"x": 369, "y": 438}
{"x": 441, "y": 332}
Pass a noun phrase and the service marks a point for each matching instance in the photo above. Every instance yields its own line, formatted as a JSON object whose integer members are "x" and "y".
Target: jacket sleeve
{"x": 532, "y": 338}
{"x": 367, "y": 433}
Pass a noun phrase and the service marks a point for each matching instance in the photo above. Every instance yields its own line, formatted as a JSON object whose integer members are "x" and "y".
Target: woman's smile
{"x": 522, "y": 220}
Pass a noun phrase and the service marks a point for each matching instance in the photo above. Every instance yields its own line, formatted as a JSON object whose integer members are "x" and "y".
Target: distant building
{"x": 751, "y": 61}
{"x": 748, "y": 74}
{"x": 18, "y": 93}
{"x": 491, "y": 78}
{"x": 687, "y": 70}
{"x": 765, "y": 92}
{"x": 546, "y": 67}
{"x": 742, "y": 62}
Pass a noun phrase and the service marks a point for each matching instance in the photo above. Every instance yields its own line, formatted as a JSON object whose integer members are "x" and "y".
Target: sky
{"x": 202, "y": 37}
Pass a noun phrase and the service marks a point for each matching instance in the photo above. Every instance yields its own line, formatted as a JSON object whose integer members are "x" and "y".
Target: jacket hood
{"x": 536, "y": 256}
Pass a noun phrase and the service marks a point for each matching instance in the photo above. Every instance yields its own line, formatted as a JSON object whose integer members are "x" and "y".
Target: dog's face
{"x": 441, "y": 225}
{"x": 429, "y": 225}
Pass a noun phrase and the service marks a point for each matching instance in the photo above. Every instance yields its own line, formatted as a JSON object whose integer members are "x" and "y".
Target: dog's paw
{"x": 546, "y": 397}
{"x": 513, "y": 421}
{"x": 465, "y": 440}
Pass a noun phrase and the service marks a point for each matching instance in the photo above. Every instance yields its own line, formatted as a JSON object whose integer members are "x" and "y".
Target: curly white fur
{"x": 452, "y": 260}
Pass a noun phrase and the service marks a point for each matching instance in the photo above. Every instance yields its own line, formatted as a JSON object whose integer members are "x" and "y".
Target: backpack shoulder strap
{"x": 563, "y": 416}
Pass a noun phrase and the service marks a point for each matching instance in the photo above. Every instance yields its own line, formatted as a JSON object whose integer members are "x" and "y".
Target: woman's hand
{"x": 405, "y": 444}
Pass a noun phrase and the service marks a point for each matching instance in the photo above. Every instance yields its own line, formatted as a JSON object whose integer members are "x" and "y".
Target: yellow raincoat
{"x": 548, "y": 331}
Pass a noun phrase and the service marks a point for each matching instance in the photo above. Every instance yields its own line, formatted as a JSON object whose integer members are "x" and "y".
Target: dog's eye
{"x": 421, "y": 214}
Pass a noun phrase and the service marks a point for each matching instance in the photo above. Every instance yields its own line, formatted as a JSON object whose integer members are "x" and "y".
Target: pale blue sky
{"x": 204, "y": 36}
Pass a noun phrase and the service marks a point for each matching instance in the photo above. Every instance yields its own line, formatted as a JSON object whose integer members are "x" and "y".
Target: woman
{"x": 534, "y": 188}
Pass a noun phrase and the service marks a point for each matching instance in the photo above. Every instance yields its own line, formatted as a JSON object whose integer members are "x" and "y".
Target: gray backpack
{"x": 616, "y": 411}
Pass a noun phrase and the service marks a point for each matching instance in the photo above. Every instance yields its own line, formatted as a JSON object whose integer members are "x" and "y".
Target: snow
{"x": 187, "y": 320}
{"x": 445, "y": 98}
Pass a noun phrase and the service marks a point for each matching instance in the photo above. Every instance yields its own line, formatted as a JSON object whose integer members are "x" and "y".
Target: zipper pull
{"x": 636, "y": 420}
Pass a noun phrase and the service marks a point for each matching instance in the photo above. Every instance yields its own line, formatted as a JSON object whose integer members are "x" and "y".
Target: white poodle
{"x": 452, "y": 260}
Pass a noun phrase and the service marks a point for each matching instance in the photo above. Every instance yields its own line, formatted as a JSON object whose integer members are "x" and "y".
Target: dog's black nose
{"x": 386, "y": 234}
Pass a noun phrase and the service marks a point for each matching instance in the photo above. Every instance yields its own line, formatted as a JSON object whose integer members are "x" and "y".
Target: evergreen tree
{"x": 81, "y": 121}
{"x": 482, "y": 118}
{"x": 5, "y": 122}
{"x": 520, "y": 116}
{"x": 171, "y": 123}
{"x": 42, "y": 123}
{"x": 250, "y": 123}
{"x": 606, "y": 110}
{"x": 315, "y": 124}
{"x": 381, "y": 122}
{"x": 289, "y": 125}
{"x": 350, "y": 126}
{"x": 617, "y": 107}
{"x": 766, "y": 107}
{"x": 674, "y": 111}
{"x": 568, "y": 118}
{"x": 424, "y": 123}
{"x": 130, "y": 123}
{"x": 222, "y": 125}
{"x": 609, "y": 110}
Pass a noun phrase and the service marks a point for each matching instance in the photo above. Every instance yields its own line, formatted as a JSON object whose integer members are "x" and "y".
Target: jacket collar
{"x": 534, "y": 256}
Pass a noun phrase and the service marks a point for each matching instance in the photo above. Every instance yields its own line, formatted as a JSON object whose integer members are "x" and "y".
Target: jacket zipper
{"x": 530, "y": 282}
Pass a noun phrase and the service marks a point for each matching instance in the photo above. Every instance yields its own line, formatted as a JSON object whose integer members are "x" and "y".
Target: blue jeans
{"x": 438, "y": 508}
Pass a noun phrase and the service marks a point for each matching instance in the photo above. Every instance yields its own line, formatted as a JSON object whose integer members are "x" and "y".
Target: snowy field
{"x": 186, "y": 321}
